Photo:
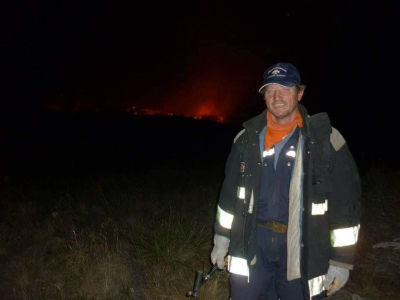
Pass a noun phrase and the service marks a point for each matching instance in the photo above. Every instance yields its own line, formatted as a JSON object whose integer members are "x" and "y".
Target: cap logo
{"x": 277, "y": 72}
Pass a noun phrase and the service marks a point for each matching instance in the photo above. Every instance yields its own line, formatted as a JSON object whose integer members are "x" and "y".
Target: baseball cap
{"x": 284, "y": 74}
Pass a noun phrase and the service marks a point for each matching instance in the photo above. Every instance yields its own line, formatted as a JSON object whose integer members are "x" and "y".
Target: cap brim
{"x": 282, "y": 83}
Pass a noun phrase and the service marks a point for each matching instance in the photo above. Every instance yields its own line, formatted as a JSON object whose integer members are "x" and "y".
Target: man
{"x": 289, "y": 206}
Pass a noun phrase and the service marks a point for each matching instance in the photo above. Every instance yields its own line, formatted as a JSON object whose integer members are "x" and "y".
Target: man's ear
{"x": 300, "y": 95}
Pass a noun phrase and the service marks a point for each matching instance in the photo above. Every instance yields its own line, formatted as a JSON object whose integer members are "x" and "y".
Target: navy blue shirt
{"x": 275, "y": 179}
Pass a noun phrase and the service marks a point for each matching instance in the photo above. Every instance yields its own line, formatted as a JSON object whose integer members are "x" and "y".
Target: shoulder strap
{"x": 320, "y": 133}
{"x": 320, "y": 125}
{"x": 320, "y": 130}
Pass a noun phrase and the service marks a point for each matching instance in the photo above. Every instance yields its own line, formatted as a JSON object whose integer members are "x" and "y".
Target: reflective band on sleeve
{"x": 238, "y": 266}
{"x": 224, "y": 219}
{"x": 241, "y": 191}
{"x": 344, "y": 236}
{"x": 315, "y": 285}
{"x": 319, "y": 208}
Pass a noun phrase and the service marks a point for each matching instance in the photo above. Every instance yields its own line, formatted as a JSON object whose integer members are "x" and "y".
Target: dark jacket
{"x": 330, "y": 199}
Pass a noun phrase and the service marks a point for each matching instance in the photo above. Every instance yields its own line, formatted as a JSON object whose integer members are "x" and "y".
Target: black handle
{"x": 196, "y": 286}
{"x": 199, "y": 280}
{"x": 212, "y": 270}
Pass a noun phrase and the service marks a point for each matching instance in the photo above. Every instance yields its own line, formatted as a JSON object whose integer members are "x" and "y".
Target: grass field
{"x": 138, "y": 232}
{"x": 141, "y": 236}
{"x": 117, "y": 236}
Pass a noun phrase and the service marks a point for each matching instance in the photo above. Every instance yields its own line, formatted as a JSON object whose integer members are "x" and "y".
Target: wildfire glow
{"x": 216, "y": 83}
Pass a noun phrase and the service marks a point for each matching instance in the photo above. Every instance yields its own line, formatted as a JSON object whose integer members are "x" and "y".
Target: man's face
{"x": 282, "y": 102}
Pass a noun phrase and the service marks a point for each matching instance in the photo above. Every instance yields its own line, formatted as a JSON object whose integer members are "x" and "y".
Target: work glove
{"x": 218, "y": 253}
{"x": 335, "y": 279}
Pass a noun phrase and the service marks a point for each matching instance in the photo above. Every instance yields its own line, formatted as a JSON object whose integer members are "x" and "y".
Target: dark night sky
{"x": 200, "y": 56}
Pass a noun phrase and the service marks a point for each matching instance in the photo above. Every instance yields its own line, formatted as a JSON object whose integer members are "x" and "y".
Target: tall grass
{"x": 144, "y": 236}
{"x": 114, "y": 236}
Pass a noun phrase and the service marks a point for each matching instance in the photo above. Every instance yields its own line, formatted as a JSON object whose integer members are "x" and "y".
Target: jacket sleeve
{"x": 229, "y": 189}
{"x": 344, "y": 204}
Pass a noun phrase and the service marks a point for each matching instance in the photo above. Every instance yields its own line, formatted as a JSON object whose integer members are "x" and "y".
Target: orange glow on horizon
{"x": 217, "y": 86}
{"x": 203, "y": 113}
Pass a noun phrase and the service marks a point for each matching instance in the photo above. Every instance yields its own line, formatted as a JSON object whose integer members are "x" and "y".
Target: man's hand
{"x": 220, "y": 250}
{"x": 335, "y": 279}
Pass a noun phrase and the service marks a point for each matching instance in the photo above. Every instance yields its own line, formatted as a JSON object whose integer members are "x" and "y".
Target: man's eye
{"x": 285, "y": 91}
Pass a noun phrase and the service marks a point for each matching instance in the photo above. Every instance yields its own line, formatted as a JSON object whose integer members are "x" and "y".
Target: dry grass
{"x": 58, "y": 258}
{"x": 377, "y": 270}
{"x": 144, "y": 236}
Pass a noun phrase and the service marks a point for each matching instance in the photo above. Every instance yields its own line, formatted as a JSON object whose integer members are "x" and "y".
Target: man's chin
{"x": 280, "y": 114}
